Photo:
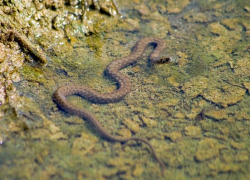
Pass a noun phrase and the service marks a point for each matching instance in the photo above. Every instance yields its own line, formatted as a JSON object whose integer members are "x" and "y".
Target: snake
{"x": 123, "y": 88}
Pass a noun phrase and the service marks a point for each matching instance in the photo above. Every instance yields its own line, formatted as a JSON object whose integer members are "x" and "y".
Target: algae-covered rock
{"x": 196, "y": 17}
{"x": 142, "y": 9}
{"x": 224, "y": 96}
{"x": 242, "y": 156}
{"x": 148, "y": 122}
{"x": 217, "y": 29}
{"x": 192, "y": 131}
{"x": 174, "y": 136}
{"x": 230, "y": 23}
{"x": 84, "y": 144}
{"x": 176, "y": 6}
{"x": 120, "y": 167}
{"x": 195, "y": 86}
{"x": 217, "y": 166}
{"x": 242, "y": 67}
{"x": 133, "y": 126}
{"x": 124, "y": 132}
{"x": 237, "y": 145}
{"x": 207, "y": 149}
{"x": 137, "y": 172}
{"x": 247, "y": 86}
{"x": 217, "y": 114}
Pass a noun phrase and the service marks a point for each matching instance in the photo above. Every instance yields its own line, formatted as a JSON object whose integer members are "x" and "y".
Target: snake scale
{"x": 124, "y": 87}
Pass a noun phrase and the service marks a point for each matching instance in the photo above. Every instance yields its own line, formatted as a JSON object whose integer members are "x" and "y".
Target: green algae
{"x": 32, "y": 74}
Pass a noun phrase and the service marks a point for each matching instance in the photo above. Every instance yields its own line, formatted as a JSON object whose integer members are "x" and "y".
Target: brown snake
{"x": 124, "y": 87}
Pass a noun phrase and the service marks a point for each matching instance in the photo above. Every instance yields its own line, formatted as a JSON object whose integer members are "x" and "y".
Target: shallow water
{"x": 194, "y": 111}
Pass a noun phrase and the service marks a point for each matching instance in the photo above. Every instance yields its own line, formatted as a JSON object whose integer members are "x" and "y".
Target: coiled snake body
{"x": 124, "y": 87}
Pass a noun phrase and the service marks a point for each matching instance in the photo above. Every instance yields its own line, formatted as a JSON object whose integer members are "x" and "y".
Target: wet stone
{"x": 142, "y": 9}
{"x": 133, "y": 24}
{"x": 247, "y": 9}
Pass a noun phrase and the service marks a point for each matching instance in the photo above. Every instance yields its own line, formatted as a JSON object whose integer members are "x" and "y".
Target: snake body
{"x": 124, "y": 87}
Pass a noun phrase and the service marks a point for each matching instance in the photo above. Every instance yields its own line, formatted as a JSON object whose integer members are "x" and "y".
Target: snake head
{"x": 165, "y": 59}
